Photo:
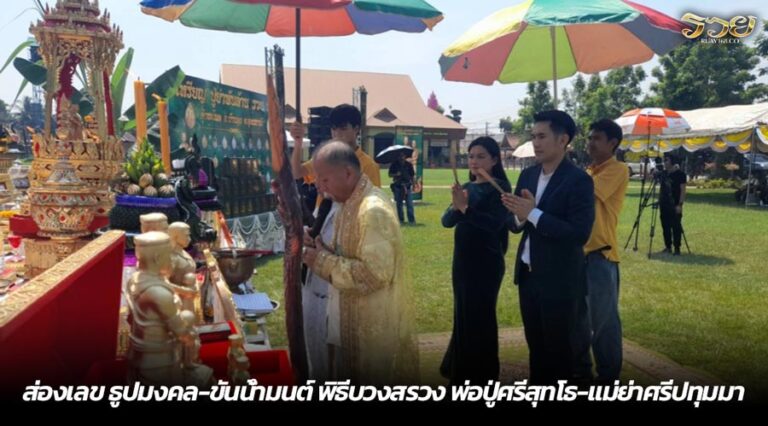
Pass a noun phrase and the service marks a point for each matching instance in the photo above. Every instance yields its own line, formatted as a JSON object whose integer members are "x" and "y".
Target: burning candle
{"x": 141, "y": 111}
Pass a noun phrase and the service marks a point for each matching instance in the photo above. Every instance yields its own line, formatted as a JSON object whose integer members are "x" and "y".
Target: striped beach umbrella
{"x": 553, "y": 39}
{"x": 319, "y": 18}
{"x": 299, "y": 18}
{"x": 652, "y": 121}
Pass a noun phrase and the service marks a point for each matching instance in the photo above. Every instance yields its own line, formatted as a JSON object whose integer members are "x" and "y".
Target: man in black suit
{"x": 554, "y": 207}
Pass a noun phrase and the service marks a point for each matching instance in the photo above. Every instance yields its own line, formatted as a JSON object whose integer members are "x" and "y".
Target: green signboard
{"x": 230, "y": 126}
{"x": 228, "y": 122}
{"x": 414, "y": 137}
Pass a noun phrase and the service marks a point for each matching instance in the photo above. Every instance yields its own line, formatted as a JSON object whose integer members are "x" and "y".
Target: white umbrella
{"x": 392, "y": 153}
{"x": 524, "y": 151}
{"x": 643, "y": 122}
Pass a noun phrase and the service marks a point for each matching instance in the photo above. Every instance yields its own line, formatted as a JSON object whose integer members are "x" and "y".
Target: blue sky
{"x": 160, "y": 45}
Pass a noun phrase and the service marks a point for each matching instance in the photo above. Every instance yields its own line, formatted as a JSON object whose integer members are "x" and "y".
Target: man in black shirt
{"x": 671, "y": 198}
{"x": 402, "y": 173}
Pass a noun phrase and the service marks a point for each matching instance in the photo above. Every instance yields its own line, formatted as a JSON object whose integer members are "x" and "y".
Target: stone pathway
{"x": 640, "y": 363}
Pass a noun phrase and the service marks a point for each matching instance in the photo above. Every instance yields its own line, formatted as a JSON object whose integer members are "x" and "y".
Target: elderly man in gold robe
{"x": 365, "y": 263}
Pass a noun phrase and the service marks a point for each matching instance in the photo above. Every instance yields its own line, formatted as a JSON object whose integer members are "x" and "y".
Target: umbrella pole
{"x": 554, "y": 64}
{"x": 298, "y": 65}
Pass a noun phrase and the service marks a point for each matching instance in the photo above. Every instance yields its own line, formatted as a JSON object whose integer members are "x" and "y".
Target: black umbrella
{"x": 392, "y": 154}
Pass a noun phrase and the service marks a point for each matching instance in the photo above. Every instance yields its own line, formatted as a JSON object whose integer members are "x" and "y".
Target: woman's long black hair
{"x": 497, "y": 172}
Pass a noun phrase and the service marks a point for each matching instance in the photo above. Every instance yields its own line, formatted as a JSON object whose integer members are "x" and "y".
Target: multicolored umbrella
{"x": 652, "y": 121}
{"x": 553, "y": 39}
{"x": 288, "y": 18}
{"x": 319, "y": 18}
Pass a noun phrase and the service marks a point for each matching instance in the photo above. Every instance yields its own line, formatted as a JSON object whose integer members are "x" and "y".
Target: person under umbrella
{"x": 402, "y": 174}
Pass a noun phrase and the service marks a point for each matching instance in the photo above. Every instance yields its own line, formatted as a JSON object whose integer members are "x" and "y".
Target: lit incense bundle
{"x": 491, "y": 180}
{"x": 453, "y": 163}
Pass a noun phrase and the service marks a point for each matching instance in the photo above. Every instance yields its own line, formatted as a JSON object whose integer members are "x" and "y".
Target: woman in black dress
{"x": 480, "y": 242}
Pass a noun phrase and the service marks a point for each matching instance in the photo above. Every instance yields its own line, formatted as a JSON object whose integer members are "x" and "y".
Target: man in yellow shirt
{"x": 599, "y": 325}
{"x": 320, "y": 302}
{"x": 345, "y": 126}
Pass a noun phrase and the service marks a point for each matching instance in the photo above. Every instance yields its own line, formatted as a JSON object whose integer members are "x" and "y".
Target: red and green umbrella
{"x": 318, "y": 17}
{"x": 289, "y": 18}
{"x": 553, "y": 39}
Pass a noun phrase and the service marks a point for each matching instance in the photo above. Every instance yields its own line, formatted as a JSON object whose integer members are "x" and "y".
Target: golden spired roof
{"x": 80, "y": 16}
{"x": 72, "y": 32}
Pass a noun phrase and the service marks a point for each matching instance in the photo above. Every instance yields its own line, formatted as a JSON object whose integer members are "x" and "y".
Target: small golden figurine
{"x": 181, "y": 262}
{"x": 154, "y": 222}
{"x": 163, "y": 342}
{"x": 238, "y": 362}
{"x": 241, "y": 375}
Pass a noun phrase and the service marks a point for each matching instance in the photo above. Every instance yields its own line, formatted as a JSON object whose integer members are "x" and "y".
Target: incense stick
{"x": 491, "y": 180}
{"x": 453, "y": 163}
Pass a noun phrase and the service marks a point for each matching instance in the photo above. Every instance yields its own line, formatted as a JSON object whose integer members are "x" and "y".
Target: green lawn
{"x": 707, "y": 310}
{"x": 444, "y": 177}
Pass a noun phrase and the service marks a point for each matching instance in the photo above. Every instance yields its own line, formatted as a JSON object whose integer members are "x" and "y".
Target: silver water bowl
{"x": 236, "y": 265}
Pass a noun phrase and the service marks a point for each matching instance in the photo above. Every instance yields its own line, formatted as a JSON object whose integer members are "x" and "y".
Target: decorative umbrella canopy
{"x": 392, "y": 153}
{"x": 553, "y": 39}
{"x": 318, "y": 18}
{"x": 652, "y": 121}
{"x": 287, "y": 18}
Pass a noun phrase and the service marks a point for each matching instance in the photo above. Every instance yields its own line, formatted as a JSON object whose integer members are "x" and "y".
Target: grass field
{"x": 707, "y": 310}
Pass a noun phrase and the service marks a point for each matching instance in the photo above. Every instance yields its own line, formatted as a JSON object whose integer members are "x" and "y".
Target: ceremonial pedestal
{"x": 56, "y": 326}
{"x": 42, "y": 254}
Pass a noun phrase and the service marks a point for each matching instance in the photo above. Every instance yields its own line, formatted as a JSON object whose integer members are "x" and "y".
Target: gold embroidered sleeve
{"x": 372, "y": 266}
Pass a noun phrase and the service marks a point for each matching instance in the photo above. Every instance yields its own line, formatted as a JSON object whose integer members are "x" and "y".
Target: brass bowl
{"x": 236, "y": 265}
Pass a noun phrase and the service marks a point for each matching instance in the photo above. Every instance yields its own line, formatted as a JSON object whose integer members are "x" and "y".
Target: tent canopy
{"x": 714, "y": 128}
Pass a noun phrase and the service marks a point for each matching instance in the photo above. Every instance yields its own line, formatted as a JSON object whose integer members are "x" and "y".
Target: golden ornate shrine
{"x": 73, "y": 165}
{"x": 75, "y": 33}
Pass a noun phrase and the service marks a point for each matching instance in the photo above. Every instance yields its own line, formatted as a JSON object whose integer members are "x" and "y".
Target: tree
{"x": 5, "y": 114}
{"x": 699, "y": 75}
{"x": 608, "y": 97}
{"x": 505, "y": 124}
{"x": 624, "y": 91}
{"x": 573, "y": 99}
{"x": 601, "y": 97}
{"x": 762, "y": 46}
{"x": 589, "y": 101}
{"x": 537, "y": 99}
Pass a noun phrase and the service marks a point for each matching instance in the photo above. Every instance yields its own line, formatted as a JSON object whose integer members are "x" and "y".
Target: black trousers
{"x": 671, "y": 226}
{"x": 549, "y": 323}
